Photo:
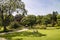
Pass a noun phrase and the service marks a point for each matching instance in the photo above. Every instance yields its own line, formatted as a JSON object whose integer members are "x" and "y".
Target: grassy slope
{"x": 50, "y": 35}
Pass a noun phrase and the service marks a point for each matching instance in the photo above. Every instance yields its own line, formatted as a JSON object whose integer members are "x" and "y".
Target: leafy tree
{"x": 7, "y": 7}
{"x": 18, "y": 17}
{"x": 47, "y": 19}
{"x": 38, "y": 19}
{"x": 15, "y": 25}
{"x": 58, "y": 19}
{"x": 29, "y": 20}
{"x": 54, "y": 18}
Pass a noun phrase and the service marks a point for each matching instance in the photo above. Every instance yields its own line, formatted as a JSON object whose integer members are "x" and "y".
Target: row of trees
{"x": 31, "y": 20}
{"x": 52, "y": 20}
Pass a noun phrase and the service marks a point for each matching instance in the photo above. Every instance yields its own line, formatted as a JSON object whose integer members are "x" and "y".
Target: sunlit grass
{"x": 29, "y": 35}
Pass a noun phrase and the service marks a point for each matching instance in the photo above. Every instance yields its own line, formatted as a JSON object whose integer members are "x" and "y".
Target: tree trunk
{"x": 5, "y": 29}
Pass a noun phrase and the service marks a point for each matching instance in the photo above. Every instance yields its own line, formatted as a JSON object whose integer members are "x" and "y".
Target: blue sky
{"x": 42, "y": 7}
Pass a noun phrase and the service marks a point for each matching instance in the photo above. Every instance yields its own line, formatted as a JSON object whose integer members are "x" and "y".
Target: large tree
{"x": 54, "y": 18}
{"x": 29, "y": 20}
{"x": 38, "y": 19}
{"x": 9, "y": 6}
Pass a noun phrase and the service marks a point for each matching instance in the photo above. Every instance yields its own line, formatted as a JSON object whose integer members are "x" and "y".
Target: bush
{"x": 39, "y": 27}
{"x": 56, "y": 25}
{"x": 43, "y": 27}
{"x": 58, "y": 22}
{"x": 49, "y": 25}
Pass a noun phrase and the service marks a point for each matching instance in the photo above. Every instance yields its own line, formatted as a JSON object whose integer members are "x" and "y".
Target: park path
{"x": 15, "y": 31}
{"x": 3, "y": 39}
{"x": 12, "y": 32}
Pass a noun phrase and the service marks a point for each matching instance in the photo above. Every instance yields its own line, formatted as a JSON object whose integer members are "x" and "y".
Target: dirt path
{"x": 3, "y": 39}
{"x": 14, "y": 31}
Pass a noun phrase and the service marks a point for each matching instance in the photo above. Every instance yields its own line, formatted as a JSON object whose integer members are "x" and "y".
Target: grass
{"x": 30, "y": 35}
{"x": 50, "y": 34}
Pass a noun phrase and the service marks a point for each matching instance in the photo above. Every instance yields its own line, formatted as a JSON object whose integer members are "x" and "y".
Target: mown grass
{"x": 30, "y": 35}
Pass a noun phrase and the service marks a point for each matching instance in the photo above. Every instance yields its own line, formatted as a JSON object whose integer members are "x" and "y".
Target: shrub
{"x": 58, "y": 22}
{"x": 49, "y": 25}
{"x": 43, "y": 27}
{"x": 39, "y": 27}
{"x": 56, "y": 25}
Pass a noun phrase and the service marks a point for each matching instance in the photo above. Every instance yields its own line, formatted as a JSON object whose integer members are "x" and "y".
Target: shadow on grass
{"x": 19, "y": 39}
{"x": 32, "y": 34}
{"x": 22, "y": 34}
{"x": 6, "y": 31}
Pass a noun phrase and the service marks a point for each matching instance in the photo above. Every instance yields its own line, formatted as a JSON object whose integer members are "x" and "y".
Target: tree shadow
{"x": 32, "y": 34}
{"x": 22, "y": 34}
{"x": 6, "y": 31}
{"x": 19, "y": 39}
{"x": 25, "y": 34}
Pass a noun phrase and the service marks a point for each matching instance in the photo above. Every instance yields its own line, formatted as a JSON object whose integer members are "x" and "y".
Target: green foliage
{"x": 38, "y": 19}
{"x": 18, "y": 17}
{"x": 39, "y": 26}
{"x": 28, "y": 20}
{"x": 49, "y": 25}
{"x": 54, "y": 18}
{"x": 43, "y": 27}
{"x": 58, "y": 20}
{"x": 6, "y": 9}
{"x": 56, "y": 25}
{"x": 46, "y": 20}
{"x": 15, "y": 25}
{"x": 58, "y": 16}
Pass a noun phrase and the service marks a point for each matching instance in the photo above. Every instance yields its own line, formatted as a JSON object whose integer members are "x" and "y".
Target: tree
{"x": 47, "y": 19}
{"x": 7, "y": 7}
{"x": 18, "y": 17}
{"x": 54, "y": 18}
{"x": 29, "y": 20}
{"x": 38, "y": 19}
{"x": 58, "y": 19}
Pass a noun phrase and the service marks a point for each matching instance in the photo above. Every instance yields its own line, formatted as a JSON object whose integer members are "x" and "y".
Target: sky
{"x": 41, "y": 7}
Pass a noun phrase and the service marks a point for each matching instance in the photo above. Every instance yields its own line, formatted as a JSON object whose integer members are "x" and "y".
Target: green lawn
{"x": 29, "y": 35}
